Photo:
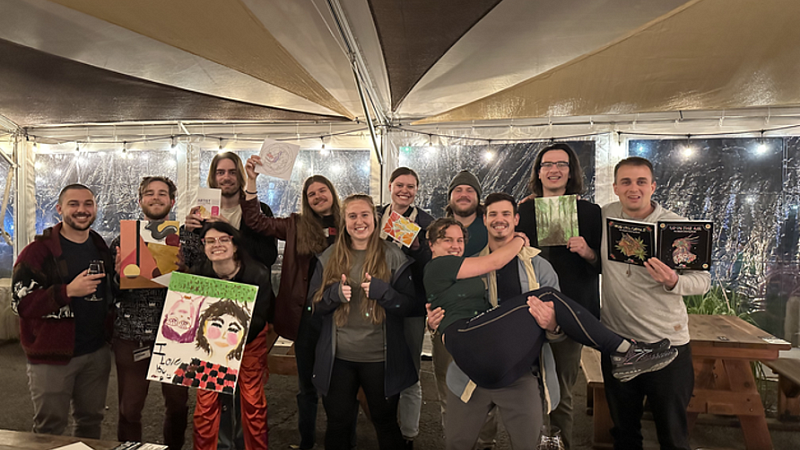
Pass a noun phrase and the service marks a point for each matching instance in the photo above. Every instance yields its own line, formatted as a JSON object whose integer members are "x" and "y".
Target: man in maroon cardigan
{"x": 65, "y": 318}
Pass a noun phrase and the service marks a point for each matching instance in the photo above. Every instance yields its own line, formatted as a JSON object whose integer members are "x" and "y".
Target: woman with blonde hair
{"x": 363, "y": 289}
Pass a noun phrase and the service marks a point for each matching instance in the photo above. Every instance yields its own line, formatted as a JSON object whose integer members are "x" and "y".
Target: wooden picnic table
{"x": 722, "y": 349}
{"x": 29, "y": 441}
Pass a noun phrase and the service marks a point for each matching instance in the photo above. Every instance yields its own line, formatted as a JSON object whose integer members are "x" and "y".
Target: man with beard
{"x": 519, "y": 403}
{"x": 227, "y": 174}
{"x": 65, "y": 318}
{"x": 464, "y": 206}
{"x": 135, "y": 329}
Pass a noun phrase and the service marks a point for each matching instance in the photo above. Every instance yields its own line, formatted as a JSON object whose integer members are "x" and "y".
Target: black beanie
{"x": 464, "y": 177}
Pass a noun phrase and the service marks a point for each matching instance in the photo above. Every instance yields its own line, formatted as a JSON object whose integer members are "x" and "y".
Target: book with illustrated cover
{"x": 680, "y": 244}
{"x": 209, "y": 200}
{"x": 685, "y": 244}
{"x": 630, "y": 242}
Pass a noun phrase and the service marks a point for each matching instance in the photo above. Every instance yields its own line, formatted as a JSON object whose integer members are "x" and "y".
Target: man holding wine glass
{"x": 65, "y": 320}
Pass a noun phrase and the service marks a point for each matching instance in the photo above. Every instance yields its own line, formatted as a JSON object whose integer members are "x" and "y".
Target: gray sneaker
{"x": 642, "y": 358}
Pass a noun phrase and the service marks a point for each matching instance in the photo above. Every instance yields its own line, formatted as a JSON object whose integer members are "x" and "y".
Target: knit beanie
{"x": 464, "y": 177}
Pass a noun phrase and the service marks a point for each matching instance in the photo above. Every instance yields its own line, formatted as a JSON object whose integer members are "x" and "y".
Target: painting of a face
{"x": 224, "y": 332}
{"x": 180, "y": 322}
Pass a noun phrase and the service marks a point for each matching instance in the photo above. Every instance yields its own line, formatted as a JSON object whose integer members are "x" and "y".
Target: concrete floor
{"x": 17, "y": 412}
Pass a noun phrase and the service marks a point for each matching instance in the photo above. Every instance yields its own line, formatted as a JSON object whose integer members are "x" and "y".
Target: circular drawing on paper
{"x": 278, "y": 158}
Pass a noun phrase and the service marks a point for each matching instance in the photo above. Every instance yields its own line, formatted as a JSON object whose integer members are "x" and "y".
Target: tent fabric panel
{"x": 304, "y": 29}
{"x": 706, "y": 55}
{"x": 223, "y": 31}
{"x": 414, "y": 34}
{"x": 520, "y": 39}
{"x": 64, "y": 32}
{"x": 44, "y": 89}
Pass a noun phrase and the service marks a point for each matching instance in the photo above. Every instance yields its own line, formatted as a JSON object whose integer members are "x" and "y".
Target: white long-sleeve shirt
{"x": 636, "y": 306}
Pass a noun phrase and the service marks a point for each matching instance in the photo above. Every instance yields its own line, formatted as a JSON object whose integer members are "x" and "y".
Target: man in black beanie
{"x": 465, "y": 206}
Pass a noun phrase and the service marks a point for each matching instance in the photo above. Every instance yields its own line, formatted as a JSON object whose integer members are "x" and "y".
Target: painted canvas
{"x": 202, "y": 333}
{"x": 556, "y": 219}
{"x": 148, "y": 249}
{"x": 401, "y": 229}
{"x": 277, "y": 158}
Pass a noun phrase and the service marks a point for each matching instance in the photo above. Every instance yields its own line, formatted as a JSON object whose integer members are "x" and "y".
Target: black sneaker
{"x": 642, "y": 358}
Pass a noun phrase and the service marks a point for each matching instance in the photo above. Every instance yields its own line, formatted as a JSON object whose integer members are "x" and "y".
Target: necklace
{"x": 230, "y": 275}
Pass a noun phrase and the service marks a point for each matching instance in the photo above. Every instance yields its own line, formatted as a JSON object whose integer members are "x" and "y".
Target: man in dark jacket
{"x": 557, "y": 172}
{"x": 227, "y": 174}
{"x": 65, "y": 318}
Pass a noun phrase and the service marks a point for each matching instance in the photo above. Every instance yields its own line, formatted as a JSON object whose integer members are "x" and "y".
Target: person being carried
{"x": 476, "y": 335}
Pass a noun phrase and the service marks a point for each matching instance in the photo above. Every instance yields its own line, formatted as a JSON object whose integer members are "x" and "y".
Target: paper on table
{"x": 75, "y": 446}
{"x": 277, "y": 158}
{"x": 401, "y": 229}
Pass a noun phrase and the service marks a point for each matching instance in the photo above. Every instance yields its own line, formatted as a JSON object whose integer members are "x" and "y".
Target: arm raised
{"x": 479, "y": 265}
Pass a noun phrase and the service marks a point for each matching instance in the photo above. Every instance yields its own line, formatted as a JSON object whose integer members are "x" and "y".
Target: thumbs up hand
{"x": 345, "y": 288}
{"x": 365, "y": 285}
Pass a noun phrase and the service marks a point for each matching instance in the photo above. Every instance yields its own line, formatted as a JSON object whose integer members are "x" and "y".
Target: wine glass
{"x": 96, "y": 267}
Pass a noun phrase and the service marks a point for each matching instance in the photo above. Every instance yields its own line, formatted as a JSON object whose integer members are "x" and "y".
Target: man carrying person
{"x": 556, "y": 172}
{"x": 646, "y": 304}
{"x": 227, "y": 174}
{"x": 65, "y": 318}
{"x": 519, "y": 403}
{"x": 135, "y": 330}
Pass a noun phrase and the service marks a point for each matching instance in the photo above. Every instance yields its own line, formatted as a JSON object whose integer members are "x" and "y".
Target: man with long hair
{"x": 556, "y": 172}
{"x": 306, "y": 234}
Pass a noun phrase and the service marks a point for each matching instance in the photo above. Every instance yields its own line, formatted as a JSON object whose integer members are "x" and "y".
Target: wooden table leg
{"x": 754, "y": 421}
{"x": 601, "y": 418}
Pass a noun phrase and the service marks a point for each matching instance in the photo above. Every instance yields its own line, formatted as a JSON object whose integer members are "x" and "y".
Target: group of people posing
{"x": 507, "y": 319}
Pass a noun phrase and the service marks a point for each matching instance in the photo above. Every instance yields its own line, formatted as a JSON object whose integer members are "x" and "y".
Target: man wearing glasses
{"x": 556, "y": 172}
{"x": 65, "y": 318}
{"x": 135, "y": 329}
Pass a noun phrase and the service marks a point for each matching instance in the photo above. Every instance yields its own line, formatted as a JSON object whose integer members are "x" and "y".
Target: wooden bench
{"x": 596, "y": 402}
{"x": 788, "y": 370}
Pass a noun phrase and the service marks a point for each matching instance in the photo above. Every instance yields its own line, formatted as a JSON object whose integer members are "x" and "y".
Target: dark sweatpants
{"x": 497, "y": 347}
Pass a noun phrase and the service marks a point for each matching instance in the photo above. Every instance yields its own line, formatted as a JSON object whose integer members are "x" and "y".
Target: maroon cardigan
{"x": 39, "y": 288}
{"x": 294, "y": 272}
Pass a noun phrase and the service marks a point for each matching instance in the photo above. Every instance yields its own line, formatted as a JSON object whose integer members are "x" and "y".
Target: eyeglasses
{"x": 212, "y": 240}
{"x": 559, "y": 164}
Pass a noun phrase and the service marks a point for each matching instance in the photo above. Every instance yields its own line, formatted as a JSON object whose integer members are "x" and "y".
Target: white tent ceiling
{"x": 77, "y": 61}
